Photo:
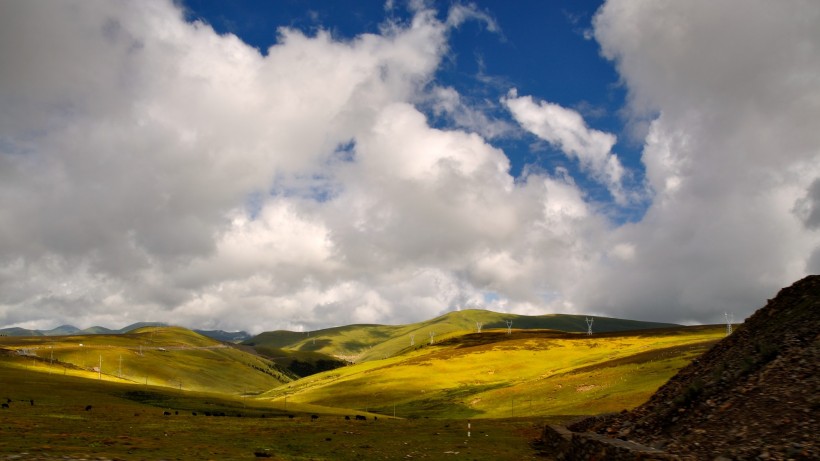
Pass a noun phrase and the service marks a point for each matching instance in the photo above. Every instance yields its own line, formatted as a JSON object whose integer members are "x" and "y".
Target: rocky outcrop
{"x": 754, "y": 395}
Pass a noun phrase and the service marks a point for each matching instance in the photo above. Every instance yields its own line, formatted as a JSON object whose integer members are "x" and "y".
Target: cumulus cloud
{"x": 729, "y": 88}
{"x": 566, "y": 129}
{"x": 152, "y": 169}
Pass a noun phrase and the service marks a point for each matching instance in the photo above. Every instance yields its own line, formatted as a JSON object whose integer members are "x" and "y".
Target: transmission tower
{"x": 412, "y": 339}
{"x": 432, "y": 335}
{"x": 509, "y": 326}
{"x": 478, "y": 326}
{"x": 730, "y": 318}
{"x": 589, "y": 325}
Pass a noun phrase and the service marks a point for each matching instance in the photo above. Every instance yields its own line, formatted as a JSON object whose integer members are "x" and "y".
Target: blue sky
{"x": 540, "y": 48}
{"x": 303, "y": 164}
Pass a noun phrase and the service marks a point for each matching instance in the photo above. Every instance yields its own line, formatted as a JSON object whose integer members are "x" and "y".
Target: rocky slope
{"x": 754, "y": 395}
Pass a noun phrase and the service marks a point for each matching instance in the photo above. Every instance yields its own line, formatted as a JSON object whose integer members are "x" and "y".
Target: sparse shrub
{"x": 692, "y": 392}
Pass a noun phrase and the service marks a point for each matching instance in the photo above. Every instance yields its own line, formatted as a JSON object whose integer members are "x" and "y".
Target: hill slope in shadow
{"x": 754, "y": 395}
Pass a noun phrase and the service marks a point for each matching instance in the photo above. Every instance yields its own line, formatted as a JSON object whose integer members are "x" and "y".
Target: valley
{"x": 172, "y": 391}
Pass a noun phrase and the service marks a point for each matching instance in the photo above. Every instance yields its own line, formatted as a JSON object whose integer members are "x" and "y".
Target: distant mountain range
{"x": 353, "y": 339}
{"x": 68, "y": 330}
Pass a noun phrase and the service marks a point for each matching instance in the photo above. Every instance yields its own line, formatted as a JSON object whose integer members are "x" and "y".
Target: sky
{"x": 305, "y": 164}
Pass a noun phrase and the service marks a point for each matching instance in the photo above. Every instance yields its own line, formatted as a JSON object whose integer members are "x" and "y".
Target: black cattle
{"x": 361, "y": 418}
{"x": 347, "y": 418}
{"x": 32, "y": 402}
{"x": 166, "y": 413}
{"x": 5, "y": 405}
{"x": 314, "y": 417}
{"x": 193, "y": 413}
{"x": 88, "y": 408}
{"x": 207, "y": 413}
{"x": 291, "y": 416}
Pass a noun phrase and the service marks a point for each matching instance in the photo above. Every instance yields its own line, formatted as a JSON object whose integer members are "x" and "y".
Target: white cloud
{"x": 151, "y": 169}
{"x": 446, "y": 101}
{"x": 730, "y": 152}
{"x": 566, "y": 129}
{"x": 138, "y": 149}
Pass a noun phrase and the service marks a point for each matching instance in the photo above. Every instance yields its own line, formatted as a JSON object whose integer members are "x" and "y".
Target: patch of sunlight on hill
{"x": 158, "y": 356}
{"x": 484, "y": 375}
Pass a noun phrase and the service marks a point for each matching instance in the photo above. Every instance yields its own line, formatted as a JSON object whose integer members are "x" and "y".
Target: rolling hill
{"x": 160, "y": 356}
{"x": 64, "y": 330}
{"x": 494, "y": 374}
{"x": 361, "y": 343}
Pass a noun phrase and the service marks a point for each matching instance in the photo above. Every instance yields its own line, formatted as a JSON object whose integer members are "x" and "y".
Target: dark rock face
{"x": 754, "y": 395}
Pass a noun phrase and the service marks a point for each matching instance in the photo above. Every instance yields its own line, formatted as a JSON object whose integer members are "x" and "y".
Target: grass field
{"x": 505, "y": 386}
{"x": 127, "y": 421}
{"x": 160, "y": 356}
{"x": 495, "y": 375}
{"x": 361, "y": 343}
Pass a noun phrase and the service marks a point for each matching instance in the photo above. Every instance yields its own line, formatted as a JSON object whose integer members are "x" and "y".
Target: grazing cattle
{"x": 347, "y": 418}
{"x": 361, "y": 418}
{"x": 5, "y": 405}
{"x": 88, "y": 408}
{"x": 291, "y": 416}
{"x": 207, "y": 413}
{"x": 176, "y": 413}
{"x": 166, "y": 413}
{"x": 314, "y": 417}
{"x": 32, "y": 402}
{"x": 193, "y": 413}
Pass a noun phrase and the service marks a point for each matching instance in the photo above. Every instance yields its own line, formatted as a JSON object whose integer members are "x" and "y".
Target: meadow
{"x": 498, "y": 375}
{"x": 179, "y": 395}
{"x": 128, "y": 421}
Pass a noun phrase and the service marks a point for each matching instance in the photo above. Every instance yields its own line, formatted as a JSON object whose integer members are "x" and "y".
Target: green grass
{"x": 127, "y": 422}
{"x": 361, "y": 343}
{"x": 158, "y": 356}
{"x": 484, "y": 375}
{"x": 507, "y": 386}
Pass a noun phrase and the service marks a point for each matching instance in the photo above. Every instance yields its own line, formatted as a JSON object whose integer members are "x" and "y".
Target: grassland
{"x": 506, "y": 386}
{"x": 128, "y": 421}
{"x": 361, "y": 343}
{"x": 495, "y": 375}
{"x": 159, "y": 356}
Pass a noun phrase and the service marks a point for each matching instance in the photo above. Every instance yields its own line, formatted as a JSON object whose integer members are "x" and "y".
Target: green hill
{"x": 360, "y": 343}
{"x": 17, "y": 331}
{"x": 494, "y": 374}
{"x": 159, "y": 356}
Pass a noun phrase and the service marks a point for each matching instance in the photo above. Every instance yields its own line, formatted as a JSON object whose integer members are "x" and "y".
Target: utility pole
{"x": 432, "y": 335}
{"x": 120, "y": 371}
{"x": 730, "y": 318}
{"x": 99, "y": 370}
